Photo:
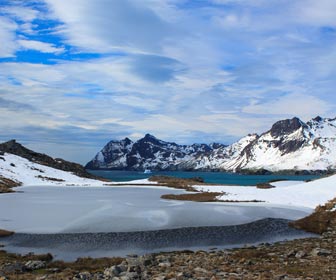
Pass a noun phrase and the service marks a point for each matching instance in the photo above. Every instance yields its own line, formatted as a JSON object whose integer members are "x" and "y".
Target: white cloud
{"x": 20, "y": 12}
{"x": 7, "y": 35}
{"x": 301, "y": 105}
{"x": 106, "y": 26}
{"x": 40, "y": 46}
{"x": 183, "y": 72}
{"x": 312, "y": 12}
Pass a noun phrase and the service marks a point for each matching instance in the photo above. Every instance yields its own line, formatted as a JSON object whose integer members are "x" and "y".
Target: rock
{"x": 321, "y": 252}
{"x": 133, "y": 262}
{"x": 147, "y": 260}
{"x": 300, "y": 254}
{"x": 130, "y": 276}
{"x": 34, "y": 265}
{"x": 165, "y": 264}
{"x": 100, "y": 276}
{"x": 83, "y": 276}
{"x": 43, "y": 277}
{"x": 291, "y": 254}
{"x": 13, "y": 268}
{"x": 112, "y": 271}
{"x": 200, "y": 270}
{"x": 161, "y": 277}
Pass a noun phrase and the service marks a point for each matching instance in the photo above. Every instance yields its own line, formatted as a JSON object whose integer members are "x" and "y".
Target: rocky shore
{"x": 310, "y": 258}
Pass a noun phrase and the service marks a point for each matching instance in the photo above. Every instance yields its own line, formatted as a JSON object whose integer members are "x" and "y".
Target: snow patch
{"x": 307, "y": 194}
{"x": 33, "y": 174}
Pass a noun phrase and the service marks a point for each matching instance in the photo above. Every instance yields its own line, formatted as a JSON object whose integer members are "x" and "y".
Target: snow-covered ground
{"x": 286, "y": 194}
{"x": 29, "y": 173}
{"x": 32, "y": 174}
{"x": 303, "y": 194}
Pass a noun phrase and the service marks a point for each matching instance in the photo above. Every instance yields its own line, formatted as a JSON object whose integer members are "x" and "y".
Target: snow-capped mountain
{"x": 149, "y": 153}
{"x": 293, "y": 144}
{"x": 289, "y": 145}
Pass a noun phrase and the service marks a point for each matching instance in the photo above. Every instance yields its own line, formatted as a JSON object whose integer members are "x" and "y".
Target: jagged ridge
{"x": 289, "y": 145}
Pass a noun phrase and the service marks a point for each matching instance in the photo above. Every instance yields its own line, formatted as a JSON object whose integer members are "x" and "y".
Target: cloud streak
{"x": 186, "y": 71}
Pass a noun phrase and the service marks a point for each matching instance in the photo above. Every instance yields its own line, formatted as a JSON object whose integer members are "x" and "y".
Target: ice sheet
{"x": 107, "y": 209}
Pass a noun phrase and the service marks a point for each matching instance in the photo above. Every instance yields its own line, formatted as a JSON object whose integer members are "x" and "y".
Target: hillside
{"x": 21, "y": 166}
{"x": 15, "y": 148}
{"x": 290, "y": 145}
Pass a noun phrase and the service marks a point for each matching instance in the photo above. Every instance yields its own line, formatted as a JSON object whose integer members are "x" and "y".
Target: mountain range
{"x": 290, "y": 145}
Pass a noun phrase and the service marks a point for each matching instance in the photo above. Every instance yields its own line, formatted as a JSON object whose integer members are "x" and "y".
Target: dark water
{"x": 209, "y": 177}
{"x": 71, "y": 246}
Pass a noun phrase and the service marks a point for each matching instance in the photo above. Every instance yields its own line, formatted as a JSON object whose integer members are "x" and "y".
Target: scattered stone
{"x": 304, "y": 259}
{"x": 291, "y": 254}
{"x": 300, "y": 254}
{"x": 83, "y": 276}
{"x": 321, "y": 252}
{"x": 165, "y": 264}
{"x": 34, "y": 265}
{"x": 113, "y": 271}
{"x": 16, "y": 267}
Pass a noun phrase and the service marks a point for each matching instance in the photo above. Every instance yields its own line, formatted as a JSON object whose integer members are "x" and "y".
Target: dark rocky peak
{"x": 16, "y": 148}
{"x": 127, "y": 141}
{"x": 11, "y": 142}
{"x": 315, "y": 121}
{"x": 318, "y": 119}
{"x": 286, "y": 127}
{"x": 151, "y": 139}
{"x": 216, "y": 146}
{"x": 201, "y": 147}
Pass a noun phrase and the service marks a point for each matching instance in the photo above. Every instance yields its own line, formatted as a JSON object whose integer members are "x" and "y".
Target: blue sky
{"x": 75, "y": 74}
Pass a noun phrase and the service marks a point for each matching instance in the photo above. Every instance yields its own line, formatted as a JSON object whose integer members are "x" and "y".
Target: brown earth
{"x": 264, "y": 186}
{"x": 7, "y": 185}
{"x": 198, "y": 197}
{"x": 318, "y": 222}
{"x": 4, "y": 233}
{"x": 177, "y": 183}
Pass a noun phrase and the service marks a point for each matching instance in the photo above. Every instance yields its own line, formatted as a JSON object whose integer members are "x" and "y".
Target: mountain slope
{"x": 289, "y": 145}
{"x": 293, "y": 144}
{"x": 15, "y": 148}
{"x": 26, "y": 173}
{"x": 21, "y": 166}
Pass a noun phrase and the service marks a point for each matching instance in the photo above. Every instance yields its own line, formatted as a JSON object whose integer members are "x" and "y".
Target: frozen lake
{"x": 72, "y": 222}
{"x": 121, "y": 209}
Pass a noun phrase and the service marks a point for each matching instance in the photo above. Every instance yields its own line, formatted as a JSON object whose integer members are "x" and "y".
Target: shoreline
{"x": 300, "y": 259}
{"x": 70, "y": 246}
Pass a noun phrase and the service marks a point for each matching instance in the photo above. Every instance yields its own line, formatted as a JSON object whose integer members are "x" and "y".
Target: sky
{"x": 75, "y": 74}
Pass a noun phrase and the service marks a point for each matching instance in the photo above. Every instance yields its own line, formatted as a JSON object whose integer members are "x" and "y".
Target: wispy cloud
{"x": 39, "y": 46}
{"x": 187, "y": 71}
{"x": 8, "y": 45}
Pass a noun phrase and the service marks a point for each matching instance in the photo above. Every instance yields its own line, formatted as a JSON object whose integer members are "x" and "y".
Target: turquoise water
{"x": 209, "y": 177}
